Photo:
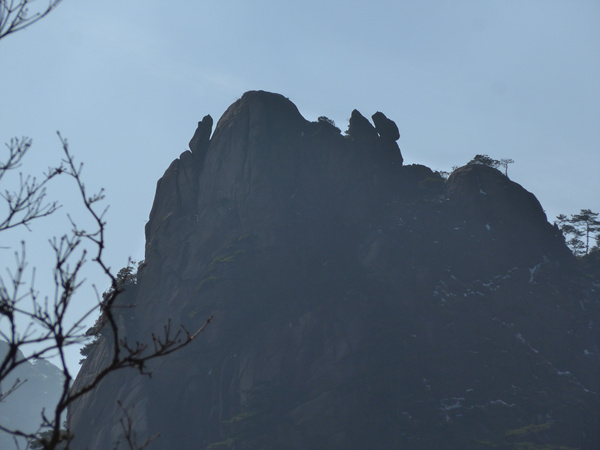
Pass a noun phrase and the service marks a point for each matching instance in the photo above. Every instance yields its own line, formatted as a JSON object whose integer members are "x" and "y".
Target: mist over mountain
{"x": 358, "y": 302}
{"x": 40, "y": 390}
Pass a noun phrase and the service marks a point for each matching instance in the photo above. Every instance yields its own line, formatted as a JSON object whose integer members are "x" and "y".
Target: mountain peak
{"x": 260, "y": 108}
{"x": 358, "y": 302}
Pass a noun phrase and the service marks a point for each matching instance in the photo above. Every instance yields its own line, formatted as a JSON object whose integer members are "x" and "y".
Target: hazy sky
{"x": 127, "y": 81}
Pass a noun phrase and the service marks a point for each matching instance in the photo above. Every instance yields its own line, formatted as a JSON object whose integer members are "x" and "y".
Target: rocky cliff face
{"x": 358, "y": 302}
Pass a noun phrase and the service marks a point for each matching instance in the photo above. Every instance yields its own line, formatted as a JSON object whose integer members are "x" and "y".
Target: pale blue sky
{"x": 126, "y": 83}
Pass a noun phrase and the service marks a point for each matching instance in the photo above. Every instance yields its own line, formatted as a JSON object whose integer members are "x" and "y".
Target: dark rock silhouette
{"x": 199, "y": 142}
{"x": 380, "y": 139}
{"x": 386, "y": 128}
{"x": 360, "y": 127}
{"x": 358, "y": 303}
{"x": 388, "y": 131}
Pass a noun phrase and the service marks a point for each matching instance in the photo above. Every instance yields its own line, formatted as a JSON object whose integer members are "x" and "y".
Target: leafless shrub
{"x": 48, "y": 330}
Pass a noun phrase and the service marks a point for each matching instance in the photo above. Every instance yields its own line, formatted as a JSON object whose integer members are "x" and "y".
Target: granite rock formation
{"x": 199, "y": 142}
{"x": 385, "y": 127}
{"x": 358, "y": 302}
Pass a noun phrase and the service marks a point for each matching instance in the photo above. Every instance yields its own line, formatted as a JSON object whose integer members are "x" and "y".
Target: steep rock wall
{"x": 357, "y": 302}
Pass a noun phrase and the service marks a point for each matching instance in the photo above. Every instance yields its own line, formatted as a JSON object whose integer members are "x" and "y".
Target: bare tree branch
{"x": 28, "y": 202}
{"x": 129, "y": 433}
{"x": 48, "y": 331}
{"x": 18, "y": 15}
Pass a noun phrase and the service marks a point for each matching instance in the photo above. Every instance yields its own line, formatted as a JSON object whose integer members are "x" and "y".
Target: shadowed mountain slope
{"x": 358, "y": 302}
{"x": 39, "y": 388}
